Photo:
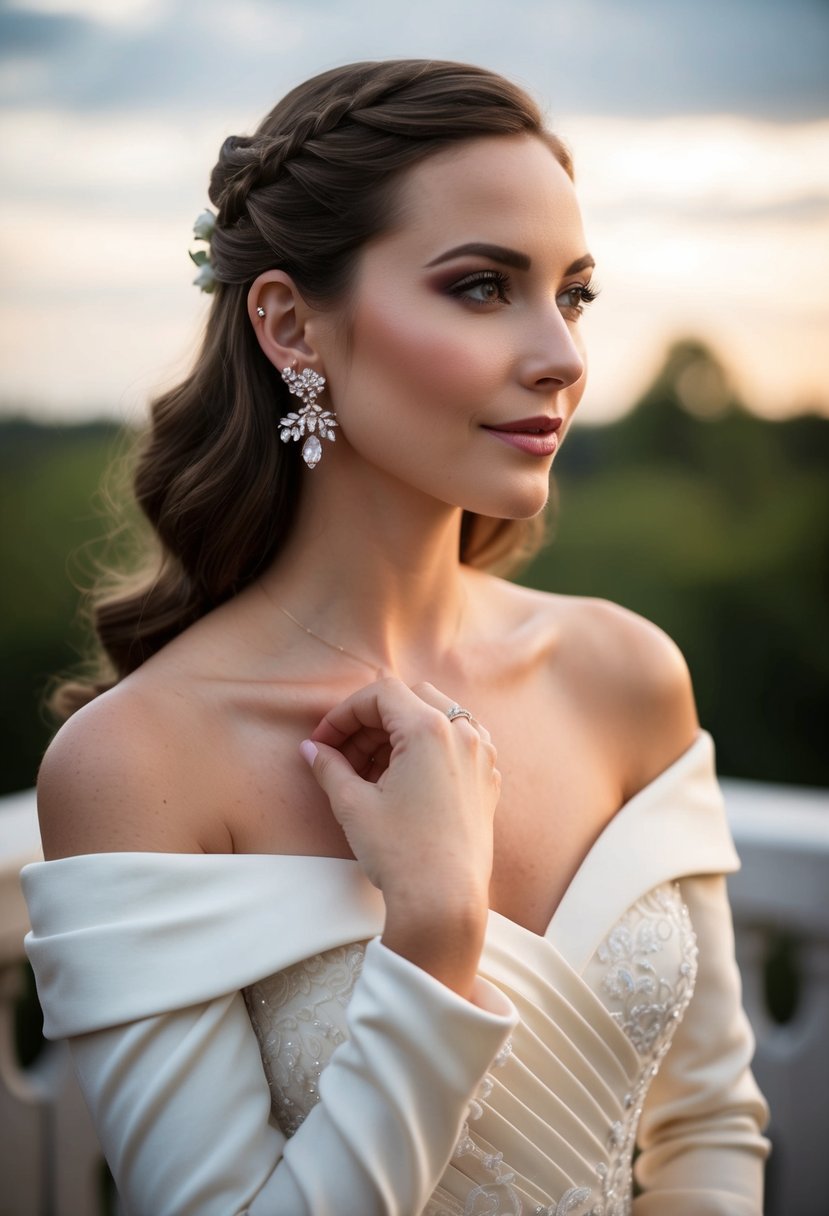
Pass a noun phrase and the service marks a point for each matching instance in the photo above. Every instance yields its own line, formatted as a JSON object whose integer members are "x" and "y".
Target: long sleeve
{"x": 179, "y": 1096}
{"x": 182, "y": 1103}
{"x": 702, "y": 1151}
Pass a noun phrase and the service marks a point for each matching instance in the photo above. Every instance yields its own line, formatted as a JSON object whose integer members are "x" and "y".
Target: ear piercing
{"x": 310, "y": 422}
{"x": 260, "y": 312}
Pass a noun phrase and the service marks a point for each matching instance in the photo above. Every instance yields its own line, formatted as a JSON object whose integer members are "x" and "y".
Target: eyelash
{"x": 587, "y": 292}
{"x": 501, "y": 281}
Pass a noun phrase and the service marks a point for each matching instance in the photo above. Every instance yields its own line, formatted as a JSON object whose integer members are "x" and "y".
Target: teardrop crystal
{"x": 311, "y": 451}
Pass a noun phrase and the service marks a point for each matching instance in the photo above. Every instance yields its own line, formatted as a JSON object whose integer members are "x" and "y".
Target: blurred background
{"x": 694, "y": 489}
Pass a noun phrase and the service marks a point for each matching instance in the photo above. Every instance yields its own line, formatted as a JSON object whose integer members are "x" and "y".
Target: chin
{"x": 524, "y": 504}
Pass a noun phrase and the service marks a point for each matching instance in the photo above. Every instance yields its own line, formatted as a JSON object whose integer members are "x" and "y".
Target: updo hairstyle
{"x": 304, "y": 193}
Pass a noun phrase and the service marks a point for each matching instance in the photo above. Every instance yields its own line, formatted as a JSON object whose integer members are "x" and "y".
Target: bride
{"x": 318, "y": 947}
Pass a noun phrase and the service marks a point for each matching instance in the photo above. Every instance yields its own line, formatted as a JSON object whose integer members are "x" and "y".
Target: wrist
{"x": 443, "y": 939}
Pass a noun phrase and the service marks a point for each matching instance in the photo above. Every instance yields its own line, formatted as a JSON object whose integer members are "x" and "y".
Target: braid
{"x": 303, "y": 194}
{"x": 247, "y": 163}
{"x": 234, "y": 176}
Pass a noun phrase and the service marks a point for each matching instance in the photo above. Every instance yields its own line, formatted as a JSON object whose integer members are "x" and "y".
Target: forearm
{"x": 444, "y": 938}
{"x": 182, "y": 1103}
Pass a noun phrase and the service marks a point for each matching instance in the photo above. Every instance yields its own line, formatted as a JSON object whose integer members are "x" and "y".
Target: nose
{"x": 556, "y": 360}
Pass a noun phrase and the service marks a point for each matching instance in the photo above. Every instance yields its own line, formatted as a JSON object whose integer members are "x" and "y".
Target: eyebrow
{"x": 508, "y": 257}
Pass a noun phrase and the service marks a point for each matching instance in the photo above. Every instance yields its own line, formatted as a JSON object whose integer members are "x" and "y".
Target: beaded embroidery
{"x": 299, "y": 1018}
{"x": 644, "y": 972}
{"x": 648, "y": 1006}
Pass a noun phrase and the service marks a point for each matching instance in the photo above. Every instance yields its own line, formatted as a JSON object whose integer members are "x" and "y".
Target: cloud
{"x": 806, "y": 209}
{"x": 754, "y": 57}
{"x": 697, "y": 210}
{"x": 28, "y": 33}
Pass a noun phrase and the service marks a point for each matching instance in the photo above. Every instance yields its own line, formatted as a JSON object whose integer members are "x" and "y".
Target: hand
{"x": 415, "y": 795}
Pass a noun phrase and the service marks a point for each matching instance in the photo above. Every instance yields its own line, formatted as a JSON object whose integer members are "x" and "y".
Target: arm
{"x": 180, "y": 1099}
{"x": 182, "y": 1105}
{"x": 702, "y": 1151}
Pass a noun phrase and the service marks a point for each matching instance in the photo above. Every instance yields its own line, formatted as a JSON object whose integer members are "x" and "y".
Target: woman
{"x": 315, "y": 952}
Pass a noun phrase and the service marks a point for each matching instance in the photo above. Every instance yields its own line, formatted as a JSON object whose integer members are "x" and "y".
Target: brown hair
{"x": 304, "y": 193}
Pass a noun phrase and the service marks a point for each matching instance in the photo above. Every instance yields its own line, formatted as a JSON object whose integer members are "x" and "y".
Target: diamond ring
{"x": 457, "y": 711}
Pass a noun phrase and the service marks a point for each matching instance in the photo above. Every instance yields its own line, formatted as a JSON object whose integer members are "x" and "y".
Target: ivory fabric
{"x": 246, "y": 1042}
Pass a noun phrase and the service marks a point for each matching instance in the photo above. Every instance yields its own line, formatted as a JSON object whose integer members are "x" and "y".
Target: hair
{"x": 304, "y": 194}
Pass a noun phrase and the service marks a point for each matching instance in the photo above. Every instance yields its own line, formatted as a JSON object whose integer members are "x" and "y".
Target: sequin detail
{"x": 299, "y": 1018}
{"x": 650, "y": 967}
{"x": 497, "y": 1194}
{"x": 644, "y": 974}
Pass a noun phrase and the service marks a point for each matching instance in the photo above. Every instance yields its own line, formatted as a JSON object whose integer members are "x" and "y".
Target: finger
{"x": 362, "y": 746}
{"x": 375, "y": 706}
{"x": 439, "y": 700}
{"x": 378, "y": 763}
{"x": 333, "y": 773}
{"x": 432, "y": 696}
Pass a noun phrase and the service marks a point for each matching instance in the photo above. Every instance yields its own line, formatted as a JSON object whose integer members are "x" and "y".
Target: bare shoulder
{"x": 637, "y": 683}
{"x": 630, "y": 655}
{"x": 619, "y": 674}
{"x": 116, "y": 777}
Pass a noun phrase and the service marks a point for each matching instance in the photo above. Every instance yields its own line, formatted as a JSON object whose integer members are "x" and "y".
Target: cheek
{"x": 418, "y": 352}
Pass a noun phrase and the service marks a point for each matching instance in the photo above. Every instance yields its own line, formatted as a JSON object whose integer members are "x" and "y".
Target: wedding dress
{"x": 246, "y": 1042}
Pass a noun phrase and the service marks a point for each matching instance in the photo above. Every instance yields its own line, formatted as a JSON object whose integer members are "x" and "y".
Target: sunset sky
{"x": 700, "y": 134}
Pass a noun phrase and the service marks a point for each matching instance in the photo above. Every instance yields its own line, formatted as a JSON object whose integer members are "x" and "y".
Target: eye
{"x": 576, "y": 298}
{"x": 483, "y": 287}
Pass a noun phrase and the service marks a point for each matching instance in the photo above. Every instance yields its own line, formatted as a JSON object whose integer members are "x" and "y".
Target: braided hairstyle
{"x": 304, "y": 194}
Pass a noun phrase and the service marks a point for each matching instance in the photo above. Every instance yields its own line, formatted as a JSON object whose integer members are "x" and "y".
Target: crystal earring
{"x": 311, "y": 421}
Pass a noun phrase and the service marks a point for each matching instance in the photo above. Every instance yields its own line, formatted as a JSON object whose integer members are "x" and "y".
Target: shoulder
{"x": 120, "y": 776}
{"x": 623, "y": 677}
{"x": 636, "y": 683}
{"x": 629, "y": 655}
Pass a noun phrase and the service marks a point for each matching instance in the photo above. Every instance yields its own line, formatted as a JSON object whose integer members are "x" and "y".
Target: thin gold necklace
{"x": 378, "y": 668}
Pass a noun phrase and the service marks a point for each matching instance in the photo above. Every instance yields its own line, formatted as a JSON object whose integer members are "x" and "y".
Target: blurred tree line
{"x": 690, "y": 510}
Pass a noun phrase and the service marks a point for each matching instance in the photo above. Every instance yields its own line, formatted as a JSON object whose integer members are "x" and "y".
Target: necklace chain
{"x": 377, "y": 668}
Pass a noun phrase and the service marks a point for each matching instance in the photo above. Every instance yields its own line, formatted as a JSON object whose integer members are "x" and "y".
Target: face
{"x": 465, "y": 361}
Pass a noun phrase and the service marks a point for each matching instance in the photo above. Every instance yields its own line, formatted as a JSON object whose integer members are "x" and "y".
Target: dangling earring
{"x": 306, "y": 385}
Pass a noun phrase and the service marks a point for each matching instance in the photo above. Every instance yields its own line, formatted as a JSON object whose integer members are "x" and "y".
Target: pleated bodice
{"x": 554, "y": 1121}
{"x": 244, "y": 1009}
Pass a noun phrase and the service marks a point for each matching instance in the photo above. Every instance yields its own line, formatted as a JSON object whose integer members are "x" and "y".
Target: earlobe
{"x": 279, "y": 316}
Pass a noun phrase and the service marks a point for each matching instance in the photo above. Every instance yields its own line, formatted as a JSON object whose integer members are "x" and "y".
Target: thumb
{"x": 332, "y": 771}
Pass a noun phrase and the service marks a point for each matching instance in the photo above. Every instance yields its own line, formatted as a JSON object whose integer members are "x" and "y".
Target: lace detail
{"x": 644, "y": 973}
{"x": 497, "y": 1194}
{"x": 489, "y": 1197}
{"x": 653, "y": 941}
{"x": 299, "y": 1018}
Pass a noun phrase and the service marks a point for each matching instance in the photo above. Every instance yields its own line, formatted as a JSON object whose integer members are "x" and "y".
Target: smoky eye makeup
{"x": 578, "y": 297}
{"x": 481, "y": 287}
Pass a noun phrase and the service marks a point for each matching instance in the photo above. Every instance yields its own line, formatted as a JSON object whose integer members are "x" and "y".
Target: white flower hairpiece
{"x": 203, "y": 230}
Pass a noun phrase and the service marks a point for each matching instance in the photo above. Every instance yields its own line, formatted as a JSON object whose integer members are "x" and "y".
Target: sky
{"x": 700, "y": 133}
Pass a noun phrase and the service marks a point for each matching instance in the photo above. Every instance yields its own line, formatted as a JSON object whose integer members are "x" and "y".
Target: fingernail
{"x": 309, "y": 751}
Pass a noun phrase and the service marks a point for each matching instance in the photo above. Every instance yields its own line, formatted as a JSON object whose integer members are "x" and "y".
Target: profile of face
{"x": 464, "y": 362}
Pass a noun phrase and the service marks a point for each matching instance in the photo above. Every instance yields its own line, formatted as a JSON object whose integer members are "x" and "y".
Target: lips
{"x": 539, "y": 425}
{"x": 533, "y": 436}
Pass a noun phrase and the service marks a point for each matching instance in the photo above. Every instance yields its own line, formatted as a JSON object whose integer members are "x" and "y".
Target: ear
{"x": 283, "y": 331}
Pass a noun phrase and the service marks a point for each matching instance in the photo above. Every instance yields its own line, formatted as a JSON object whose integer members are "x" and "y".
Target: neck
{"x": 375, "y": 572}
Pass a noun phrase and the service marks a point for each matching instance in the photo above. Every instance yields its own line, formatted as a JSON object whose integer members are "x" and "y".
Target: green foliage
{"x": 690, "y": 510}
{"x": 52, "y": 512}
{"x": 715, "y": 525}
